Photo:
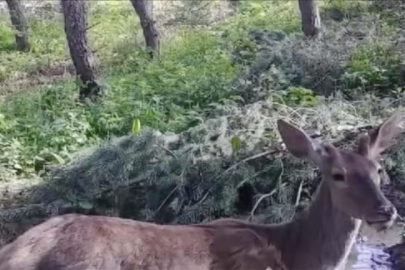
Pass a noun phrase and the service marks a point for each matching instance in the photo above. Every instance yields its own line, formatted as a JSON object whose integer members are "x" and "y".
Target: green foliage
{"x": 195, "y": 176}
{"x": 193, "y": 72}
{"x": 374, "y": 68}
{"x": 136, "y": 126}
{"x": 341, "y": 9}
{"x": 112, "y": 33}
{"x": 6, "y": 35}
{"x": 395, "y": 165}
{"x": 41, "y": 130}
{"x": 391, "y": 11}
{"x": 161, "y": 183}
{"x": 165, "y": 94}
{"x": 254, "y": 16}
{"x": 196, "y": 73}
{"x": 284, "y": 60}
{"x": 236, "y": 144}
{"x": 47, "y": 41}
{"x": 297, "y": 96}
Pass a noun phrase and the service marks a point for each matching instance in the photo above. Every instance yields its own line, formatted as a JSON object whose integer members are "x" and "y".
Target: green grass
{"x": 113, "y": 28}
{"x": 44, "y": 125}
{"x": 47, "y": 47}
{"x": 376, "y": 66}
{"x": 348, "y": 8}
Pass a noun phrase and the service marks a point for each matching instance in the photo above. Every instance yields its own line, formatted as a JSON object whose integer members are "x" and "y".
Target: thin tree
{"x": 19, "y": 23}
{"x": 311, "y": 20}
{"x": 75, "y": 13}
{"x": 144, "y": 10}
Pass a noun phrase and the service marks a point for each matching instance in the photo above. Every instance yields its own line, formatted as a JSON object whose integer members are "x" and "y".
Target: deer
{"x": 319, "y": 238}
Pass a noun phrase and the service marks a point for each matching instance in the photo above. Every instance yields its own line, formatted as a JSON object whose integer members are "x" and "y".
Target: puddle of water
{"x": 368, "y": 251}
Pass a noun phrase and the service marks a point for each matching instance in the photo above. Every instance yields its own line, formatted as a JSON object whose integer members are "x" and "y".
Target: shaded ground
{"x": 46, "y": 74}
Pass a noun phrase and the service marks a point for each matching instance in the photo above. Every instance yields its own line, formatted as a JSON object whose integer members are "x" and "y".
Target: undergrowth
{"x": 45, "y": 124}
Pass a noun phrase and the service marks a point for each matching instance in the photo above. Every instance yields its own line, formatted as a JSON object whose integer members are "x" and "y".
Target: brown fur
{"x": 84, "y": 242}
{"x": 318, "y": 239}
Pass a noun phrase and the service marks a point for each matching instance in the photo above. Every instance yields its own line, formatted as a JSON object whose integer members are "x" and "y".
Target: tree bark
{"x": 144, "y": 10}
{"x": 75, "y": 12}
{"x": 311, "y": 20}
{"x": 19, "y": 23}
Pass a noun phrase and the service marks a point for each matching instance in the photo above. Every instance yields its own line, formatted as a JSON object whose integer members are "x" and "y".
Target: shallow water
{"x": 368, "y": 251}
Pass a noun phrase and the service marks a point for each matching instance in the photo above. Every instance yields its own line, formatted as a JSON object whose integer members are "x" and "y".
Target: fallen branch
{"x": 91, "y": 26}
{"x": 252, "y": 213}
{"x": 297, "y": 201}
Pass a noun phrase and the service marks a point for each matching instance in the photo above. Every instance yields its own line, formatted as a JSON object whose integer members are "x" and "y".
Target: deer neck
{"x": 320, "y": 238}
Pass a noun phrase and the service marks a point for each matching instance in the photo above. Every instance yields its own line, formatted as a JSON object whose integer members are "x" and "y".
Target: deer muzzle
{"x": 383, "y": 217}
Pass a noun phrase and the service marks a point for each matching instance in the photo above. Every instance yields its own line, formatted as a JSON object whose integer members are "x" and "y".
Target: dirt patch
{"x": 58, "y": 69}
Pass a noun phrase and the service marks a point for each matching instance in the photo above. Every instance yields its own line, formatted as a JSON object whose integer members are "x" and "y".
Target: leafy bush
{"x": 283, "y": 61}
{"x": 44, "y": 129}
{"x": 194, "y": 176}
{"x": 194, "y": 74}
{"x": 375, "y": 68}
{"x": 239, "y": 31}
{"x": 340, "y": 10}
{"x": 6, "y": 35}
{"x": 297, "y": 96}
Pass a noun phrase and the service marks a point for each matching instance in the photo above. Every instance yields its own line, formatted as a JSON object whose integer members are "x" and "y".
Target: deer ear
{"x": 383, "y": 137}
{"x": 302, "y": 146}
{"x": 296, "y": 140}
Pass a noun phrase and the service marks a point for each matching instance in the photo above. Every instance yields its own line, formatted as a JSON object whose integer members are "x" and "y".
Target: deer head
{"x": 353, "y": 176}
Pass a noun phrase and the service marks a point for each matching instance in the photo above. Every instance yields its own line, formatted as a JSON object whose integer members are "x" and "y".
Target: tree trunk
{"x": 75, "y": 28}
{"x": 19, "y": 23}
{"x": 311, "y": 21}
{"x": 144, "y": 10}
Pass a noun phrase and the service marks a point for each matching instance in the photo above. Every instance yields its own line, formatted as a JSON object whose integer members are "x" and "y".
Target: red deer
{"x": 319, "y": 238}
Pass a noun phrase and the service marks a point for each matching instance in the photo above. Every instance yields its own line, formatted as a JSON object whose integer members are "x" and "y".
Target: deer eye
{"x": 338, "y": 177}
{"x": 380, "y": 171}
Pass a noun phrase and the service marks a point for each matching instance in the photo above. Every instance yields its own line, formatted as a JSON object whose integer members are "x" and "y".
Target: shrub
{"x": 376, "y": 68}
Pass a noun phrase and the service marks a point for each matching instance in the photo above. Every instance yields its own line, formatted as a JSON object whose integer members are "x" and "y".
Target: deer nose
{"x": 388, "y": 211}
